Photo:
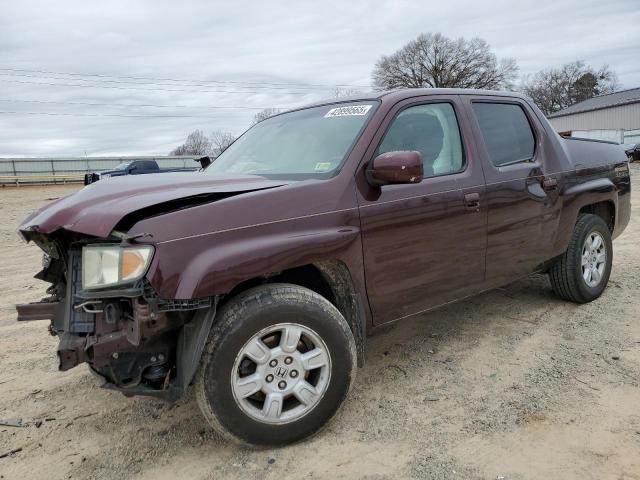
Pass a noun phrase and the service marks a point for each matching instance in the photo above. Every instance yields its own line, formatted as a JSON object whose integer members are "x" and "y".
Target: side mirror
{"x": 204, "y": 161}
{"x": 395, "y": 167}
{"x": 133, "y": 169}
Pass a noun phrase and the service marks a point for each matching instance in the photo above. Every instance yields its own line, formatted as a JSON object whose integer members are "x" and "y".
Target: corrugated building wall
{"x": 623, "y": 117}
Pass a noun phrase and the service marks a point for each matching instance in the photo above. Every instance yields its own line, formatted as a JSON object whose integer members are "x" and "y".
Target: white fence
{"x": 18, "y": 170}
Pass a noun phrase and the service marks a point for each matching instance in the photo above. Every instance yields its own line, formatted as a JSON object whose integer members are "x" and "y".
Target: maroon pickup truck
{"x": 259, "y": 279}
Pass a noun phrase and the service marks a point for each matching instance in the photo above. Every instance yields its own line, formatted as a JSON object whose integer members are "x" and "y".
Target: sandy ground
{"x": 512, "y": 384}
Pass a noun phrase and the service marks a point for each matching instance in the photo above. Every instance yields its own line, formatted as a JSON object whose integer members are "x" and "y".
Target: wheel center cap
{"x": 280, "y": 372}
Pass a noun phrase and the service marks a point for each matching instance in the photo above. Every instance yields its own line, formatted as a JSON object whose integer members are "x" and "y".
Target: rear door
{"x": 424, "y": 244}
{"x": 521, "y": 195}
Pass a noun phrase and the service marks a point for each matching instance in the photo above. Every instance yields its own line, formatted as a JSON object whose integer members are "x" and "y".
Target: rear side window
{"x": 432, "y": 130}
{"x": 506, "y": 131}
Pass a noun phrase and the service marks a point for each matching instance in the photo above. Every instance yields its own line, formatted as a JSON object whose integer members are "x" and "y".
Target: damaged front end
{"x": 137, "y": 342}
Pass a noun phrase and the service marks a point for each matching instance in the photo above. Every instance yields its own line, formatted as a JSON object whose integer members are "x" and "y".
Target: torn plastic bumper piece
{"x": 37, "y": 311}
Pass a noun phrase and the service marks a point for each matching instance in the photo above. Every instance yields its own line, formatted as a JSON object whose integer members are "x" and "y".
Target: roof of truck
{"x": 402, "y": 93}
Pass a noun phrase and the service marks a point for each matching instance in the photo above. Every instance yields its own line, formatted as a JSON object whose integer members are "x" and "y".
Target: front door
{"x": 424, "y": 244}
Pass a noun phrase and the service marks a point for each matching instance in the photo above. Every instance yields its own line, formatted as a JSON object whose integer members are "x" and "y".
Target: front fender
{"x": 212, "y": 264}
{"x": 220, "y": 268}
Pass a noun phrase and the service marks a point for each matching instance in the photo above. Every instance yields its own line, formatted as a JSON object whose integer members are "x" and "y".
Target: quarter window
{"x": 506, "y": 131}
{"x": 432, "y": 130}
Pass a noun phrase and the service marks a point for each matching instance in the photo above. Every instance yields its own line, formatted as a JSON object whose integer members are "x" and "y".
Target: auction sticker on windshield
{"x": 348, "y": 111}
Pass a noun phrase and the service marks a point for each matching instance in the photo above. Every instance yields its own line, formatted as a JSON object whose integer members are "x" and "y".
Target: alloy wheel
{"x": 281, "y": 373}
{"x": 594, "y": 259}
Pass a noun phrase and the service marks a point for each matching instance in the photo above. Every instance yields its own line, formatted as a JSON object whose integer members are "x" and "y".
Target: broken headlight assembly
{"x": 109, "y": 266}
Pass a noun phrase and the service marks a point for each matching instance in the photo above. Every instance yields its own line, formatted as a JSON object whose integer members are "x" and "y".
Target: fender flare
{"x": 576, "y": 197}
{"x": 349, "y": 302}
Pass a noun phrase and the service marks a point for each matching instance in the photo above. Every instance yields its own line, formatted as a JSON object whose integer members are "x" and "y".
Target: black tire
{"x": 566, "y": 274}
{"x": 238, "y": 321}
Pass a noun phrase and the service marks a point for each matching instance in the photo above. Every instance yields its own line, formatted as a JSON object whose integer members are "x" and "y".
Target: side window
{"x": 433, "y": 131}
{"x": 506, "y": 131}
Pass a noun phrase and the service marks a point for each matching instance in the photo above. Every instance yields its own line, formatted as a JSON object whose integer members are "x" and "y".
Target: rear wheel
{"x": 279, "y": 363}
{"x": 582, "y": 273}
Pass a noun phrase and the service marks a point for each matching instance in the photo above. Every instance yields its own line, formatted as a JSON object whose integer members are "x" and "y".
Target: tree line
{"x": 199, "y": 144}
{"x": 434, "y": 61}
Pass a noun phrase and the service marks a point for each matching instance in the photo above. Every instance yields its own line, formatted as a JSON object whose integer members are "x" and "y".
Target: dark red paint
{"x": 395, "y": 168}
{"x": 408, "y": 247}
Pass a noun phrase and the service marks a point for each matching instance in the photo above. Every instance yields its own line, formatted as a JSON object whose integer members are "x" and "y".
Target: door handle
{"x": 472, "y": 201}
{"x": 549, "y": 183}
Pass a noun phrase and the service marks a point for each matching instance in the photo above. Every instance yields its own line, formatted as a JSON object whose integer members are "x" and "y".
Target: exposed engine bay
{"x": 137, "y": 342}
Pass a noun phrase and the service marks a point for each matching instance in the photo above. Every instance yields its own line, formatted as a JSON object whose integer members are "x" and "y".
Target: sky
{"x": 88, "y": 78}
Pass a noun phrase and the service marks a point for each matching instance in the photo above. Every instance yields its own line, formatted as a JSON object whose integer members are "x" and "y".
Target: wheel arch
{"x": 605, "y": 209}
{"x": 597, "y": 197}
{"x": 330, "y": 279}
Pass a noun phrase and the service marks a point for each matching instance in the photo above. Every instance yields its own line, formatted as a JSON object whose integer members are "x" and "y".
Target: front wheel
{"x": 582, "y": 273}
{"x": 279, "y": 362}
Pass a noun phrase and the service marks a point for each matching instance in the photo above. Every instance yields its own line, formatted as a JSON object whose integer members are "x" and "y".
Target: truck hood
{"x": 98, "y": 208}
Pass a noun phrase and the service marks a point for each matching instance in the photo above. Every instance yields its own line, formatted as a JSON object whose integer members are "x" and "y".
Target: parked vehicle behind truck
{"x": 259, "y": 279}
{"x": 633, "y": 151}
{"x": 134, "y": 167}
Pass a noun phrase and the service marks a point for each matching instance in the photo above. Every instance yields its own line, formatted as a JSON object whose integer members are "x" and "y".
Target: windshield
{"x": 309, "y": 143}
{"x": 123, "y": 166}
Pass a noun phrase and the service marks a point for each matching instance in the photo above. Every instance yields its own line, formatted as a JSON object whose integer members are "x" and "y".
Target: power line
{"x": 14, "y": 100}
{"x": 127, "y": 82}
{"x": 234, "y": 82}
{"x": 142, "y": 89}
{"x": 5, "y": 112}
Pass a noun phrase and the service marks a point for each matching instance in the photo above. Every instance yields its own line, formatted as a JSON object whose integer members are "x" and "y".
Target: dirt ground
{"x": 512, "y": 384}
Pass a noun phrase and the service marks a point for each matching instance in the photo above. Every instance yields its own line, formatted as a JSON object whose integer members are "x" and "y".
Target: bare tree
{"x": 264, "y": 114}
{"x": 220, "y": 141}
{"x": 433, "y": 60}
{"x": 197, "y": 143}
{"x": 556, "y": 88}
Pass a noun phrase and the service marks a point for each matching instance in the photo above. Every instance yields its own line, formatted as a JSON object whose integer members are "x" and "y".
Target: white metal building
{"x": 614, "y": 117}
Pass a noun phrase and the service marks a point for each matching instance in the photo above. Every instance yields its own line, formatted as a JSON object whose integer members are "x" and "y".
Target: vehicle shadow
{"x": 414, "y": 377}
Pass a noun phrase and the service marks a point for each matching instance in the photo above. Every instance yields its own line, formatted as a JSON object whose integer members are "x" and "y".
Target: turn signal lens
{"x": 132, "y": 264}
